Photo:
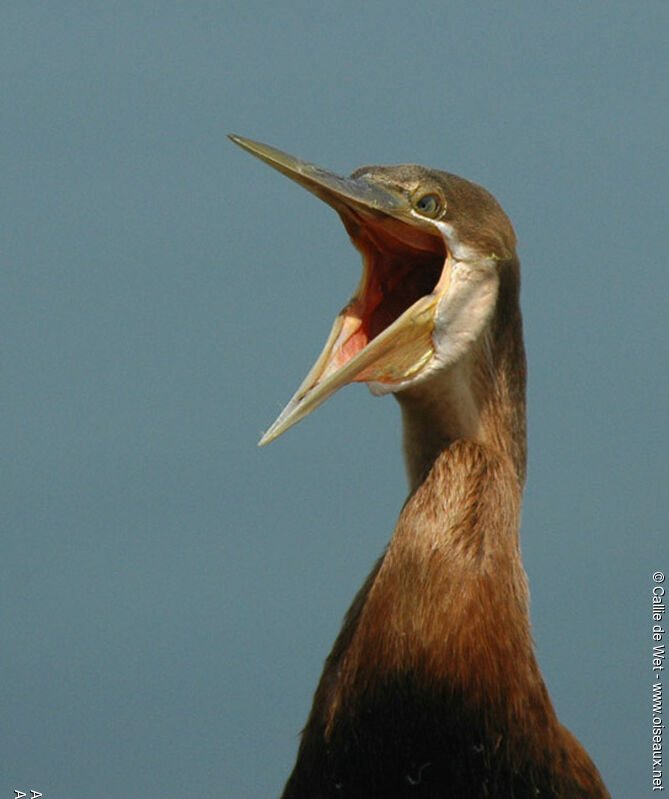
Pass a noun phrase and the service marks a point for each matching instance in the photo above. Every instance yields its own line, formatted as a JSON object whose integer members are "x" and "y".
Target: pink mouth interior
{"x": 402, "y": 264}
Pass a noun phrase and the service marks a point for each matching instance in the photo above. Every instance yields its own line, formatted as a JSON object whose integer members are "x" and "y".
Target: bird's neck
{"x": 436, "y": 414}
{"x": 452, "y": 576}
{"x": 480, "y": 398}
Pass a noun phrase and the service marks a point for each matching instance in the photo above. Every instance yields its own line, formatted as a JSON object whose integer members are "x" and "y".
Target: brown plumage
{"x": 432, "y": 688}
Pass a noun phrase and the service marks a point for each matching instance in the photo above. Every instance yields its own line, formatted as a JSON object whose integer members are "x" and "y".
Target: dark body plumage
{"x": 432, "y": 689}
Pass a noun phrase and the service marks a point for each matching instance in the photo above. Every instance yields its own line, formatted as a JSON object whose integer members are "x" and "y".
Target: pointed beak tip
{"x": 240, "y": 140}
{"x": 253, "y": 147}
{"x": 269, "y": 435}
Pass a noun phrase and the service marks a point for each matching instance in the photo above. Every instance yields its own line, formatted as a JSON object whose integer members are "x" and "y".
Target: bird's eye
{"x": 429, "y": 205}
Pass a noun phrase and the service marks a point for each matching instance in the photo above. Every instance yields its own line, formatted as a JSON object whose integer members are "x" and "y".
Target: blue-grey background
{"x": 170, "y": 590}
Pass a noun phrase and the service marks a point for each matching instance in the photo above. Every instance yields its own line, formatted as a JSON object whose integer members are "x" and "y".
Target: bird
{"x": 432, "y": 688}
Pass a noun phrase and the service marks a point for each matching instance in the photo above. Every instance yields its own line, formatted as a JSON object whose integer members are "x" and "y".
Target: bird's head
{"x": 433, "y": 248}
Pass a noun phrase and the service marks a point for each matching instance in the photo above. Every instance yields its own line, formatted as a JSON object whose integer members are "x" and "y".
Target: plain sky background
{"x": 169, "y": 590}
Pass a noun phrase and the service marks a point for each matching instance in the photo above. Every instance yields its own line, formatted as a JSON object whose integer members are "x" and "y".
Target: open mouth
{"x": 401, "y": 264}
{"x": 384, "y": 336}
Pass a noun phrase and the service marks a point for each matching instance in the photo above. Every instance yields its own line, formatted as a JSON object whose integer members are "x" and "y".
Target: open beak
{"x": 384, "y": 334}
